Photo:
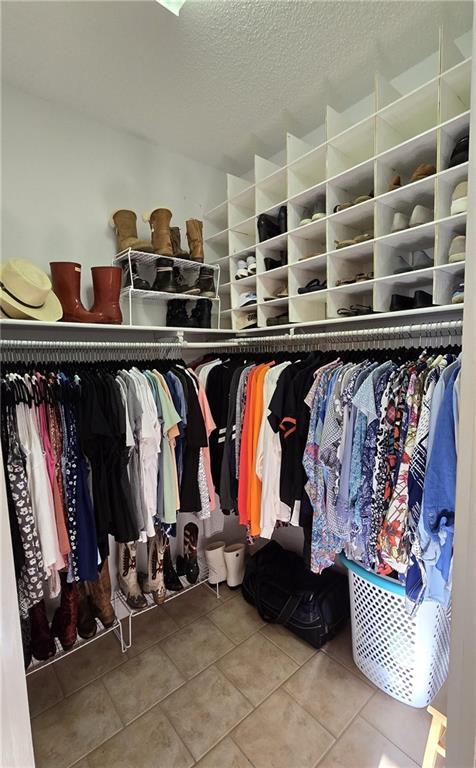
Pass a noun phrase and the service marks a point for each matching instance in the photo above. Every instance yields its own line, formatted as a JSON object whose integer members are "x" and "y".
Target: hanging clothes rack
{"x": 91, "y": 350}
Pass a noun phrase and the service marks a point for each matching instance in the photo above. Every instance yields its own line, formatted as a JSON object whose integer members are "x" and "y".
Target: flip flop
{"x": 313, "y": 285}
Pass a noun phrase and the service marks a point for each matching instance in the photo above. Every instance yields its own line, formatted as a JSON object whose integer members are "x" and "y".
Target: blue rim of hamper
{"x": 383, "y": 582}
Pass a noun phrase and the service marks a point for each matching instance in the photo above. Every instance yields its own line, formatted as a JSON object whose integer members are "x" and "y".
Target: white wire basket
{"x": 405, "y": 656}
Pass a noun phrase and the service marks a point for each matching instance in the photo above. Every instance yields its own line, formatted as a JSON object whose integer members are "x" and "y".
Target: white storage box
{"x": 407, "y": 657}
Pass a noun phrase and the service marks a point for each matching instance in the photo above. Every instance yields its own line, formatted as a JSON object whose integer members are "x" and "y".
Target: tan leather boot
{"x": 100, "y": 597}
{"x": 159, "y": 221}
{"x": 177, "y": 245}
{"x": 154, "y": 583}
{"x": 127, "y": 576}
{"x": 195, "y": 239}
{"x": 124, "y": 223}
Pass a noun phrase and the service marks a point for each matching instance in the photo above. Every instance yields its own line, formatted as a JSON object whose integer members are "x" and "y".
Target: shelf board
{"x": 276, "y": 272}
{"x": 246, "y": 193}
{"x": 216, "y": 212}
{"x": 218, "y": 237}
{"x": 249, "y": 280}
{"x": 275, "y": 302}
{"x": 273, "y": 243}
{"x": 310, "y": 264}
{"x": 311, "y": 230}
{"x": 245, "y": 227}
{"x": 407, "y": 192}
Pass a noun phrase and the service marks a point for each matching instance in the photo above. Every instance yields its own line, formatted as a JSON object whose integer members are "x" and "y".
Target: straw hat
{"x": 25, "y": 292}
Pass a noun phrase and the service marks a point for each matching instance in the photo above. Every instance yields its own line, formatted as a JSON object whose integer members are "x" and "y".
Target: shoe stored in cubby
{"x": 301, "y": 274}
{"x": 451, "y": 241}
{"x": 345, "y": 269}
{"x": 447, "y": 278}
{"x": 350, "y": 227}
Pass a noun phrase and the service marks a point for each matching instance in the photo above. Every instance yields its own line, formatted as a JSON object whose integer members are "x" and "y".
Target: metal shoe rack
{"x": 135, "y": 302}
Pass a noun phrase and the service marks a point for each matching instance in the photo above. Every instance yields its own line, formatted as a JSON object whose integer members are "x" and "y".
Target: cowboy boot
{"x": 66, "y": 282}
{"x": 177, "y": 245}
{"x": 195, "y": 239}
{"x": 172, "y": 581}
{"x": 87, "y": 626}
{"x": 154, "y": 582}
{"x": 107, "y": 289}
{"x": 42, "y": 642}
{"x": 127, "y": 576}
{"x": 65, "y": 620}
{"x": 124, "y": 224}
{"x": 159, "y": 221}
{"x": 100, "y": 597}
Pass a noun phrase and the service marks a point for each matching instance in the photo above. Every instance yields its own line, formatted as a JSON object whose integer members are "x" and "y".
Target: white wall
{"x": 64, "y": 173}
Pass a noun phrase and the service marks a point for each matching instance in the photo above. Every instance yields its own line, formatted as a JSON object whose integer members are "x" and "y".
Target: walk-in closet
{"x": 237, "y": 384}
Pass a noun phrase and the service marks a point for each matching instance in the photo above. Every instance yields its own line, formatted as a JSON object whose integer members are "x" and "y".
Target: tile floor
{"x": 206, "y": 683}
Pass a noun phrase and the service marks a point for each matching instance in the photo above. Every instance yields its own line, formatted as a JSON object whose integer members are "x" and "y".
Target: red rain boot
{"x": 65, "y": 620}
{"x": 107, "y": 288}
{"x": 66, "y": 281}
{"x": 42, "y": 643}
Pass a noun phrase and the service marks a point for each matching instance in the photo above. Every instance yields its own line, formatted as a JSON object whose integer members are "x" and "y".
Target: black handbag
{"x": 314, "y": 607}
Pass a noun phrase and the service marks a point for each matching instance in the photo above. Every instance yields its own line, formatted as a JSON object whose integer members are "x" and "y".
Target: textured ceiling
{"x": 225, "y": 79}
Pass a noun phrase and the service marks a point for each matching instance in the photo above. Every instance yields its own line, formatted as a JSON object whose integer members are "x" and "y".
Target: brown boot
{"x": 66, "y": 282}
{"x": 177, "y": 245}
{"x": 195, "y": 239}
{"x": 87, "y": 626}
{"x": 124, "y": 224}
{"x": 159, "y": 221}
{"x": 127, "y": 576}
{"x": 107, "y": 289}
{"x": 100, "y": 597}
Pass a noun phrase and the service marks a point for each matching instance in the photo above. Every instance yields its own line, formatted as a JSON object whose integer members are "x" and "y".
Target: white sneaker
{"x": 251, "y": 264}
{"x": 459, "y": 198}
{"x": 242, "y": 270}
{"x": 420, "y": 215}
{"x": 400, "y": 222}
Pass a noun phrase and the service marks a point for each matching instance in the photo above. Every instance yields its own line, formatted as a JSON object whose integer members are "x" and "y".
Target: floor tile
{"x": 149, "y": 742}
{"x": 74, "y": 727}
{"x": 281, "y": 734}
{"x": 149, "y": 628}
{"x": 331, "y": 693}
{"x": 190, "y": 606}
{"x": 237, "y": 619}
{"x": 361, "y": 745}
{"x": 43, "y": 689}
{"x": 205, "y": 709}
{"x": 226, "y": 754}
{"x": 196, "y": 646}
{"x": 142, "y": 682}
{"x": 84, "y": 763}
{"x": 406, "y": 726}
{"x": 257, "y": 667}
{"x": 340, "y": 649}
{"x": 88, "y": 663}
{"x": 289, "y": 643}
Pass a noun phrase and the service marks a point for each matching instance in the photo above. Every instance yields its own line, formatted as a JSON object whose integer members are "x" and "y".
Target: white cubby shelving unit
{"x": 358, "y": 157}
{"x": 149, "y": 307}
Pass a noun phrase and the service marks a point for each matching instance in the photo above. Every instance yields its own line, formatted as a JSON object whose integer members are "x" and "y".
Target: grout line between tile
{"x": 230, "y": 736}
{"x": 300, "y": 664}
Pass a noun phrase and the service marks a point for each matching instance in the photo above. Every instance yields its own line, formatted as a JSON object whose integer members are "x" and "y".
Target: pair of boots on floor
{"x": 164, "y": 239}
{"x": 225, "y": 563}
{"x": 161, "y": 575}
{"x": 81, "y": 603}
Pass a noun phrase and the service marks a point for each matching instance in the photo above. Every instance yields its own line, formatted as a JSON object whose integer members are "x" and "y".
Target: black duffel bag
{"x": 312, "y": 606}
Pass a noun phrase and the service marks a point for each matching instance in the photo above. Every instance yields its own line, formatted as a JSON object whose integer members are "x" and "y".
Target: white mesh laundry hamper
{"x": 407, "y": 657}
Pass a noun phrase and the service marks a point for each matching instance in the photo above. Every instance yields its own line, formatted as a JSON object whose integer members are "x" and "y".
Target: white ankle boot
{"x": 216, "y": 562}
{"x": 235, "y": 564}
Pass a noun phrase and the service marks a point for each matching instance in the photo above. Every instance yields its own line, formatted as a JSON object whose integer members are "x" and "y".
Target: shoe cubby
{"x": 350, "y": 224}
{"x": 278, "y": 312}
{"x": 308, "y": 308}
{"x": 302, "y": 273}
{"x": 351, "y": 148}
{"x": 309, "y": 242}
{"x": 241, "y": 319}
{"x": 455, "y": 94}
{"x": 447, "y": 230}
{"x": 389, "y": 258}
{"x": 350, "y": 185}
{"x": 403, "y": 285}
{"x": 308, "y": 172}
{"x": 447, "y": 278}
{"x": 387, "y": 212}
{"x": 413, "y": 119}
{"x": 409, "y": 116}
{"x": 342, "y": 267}
{"x": 447, "y": 181}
